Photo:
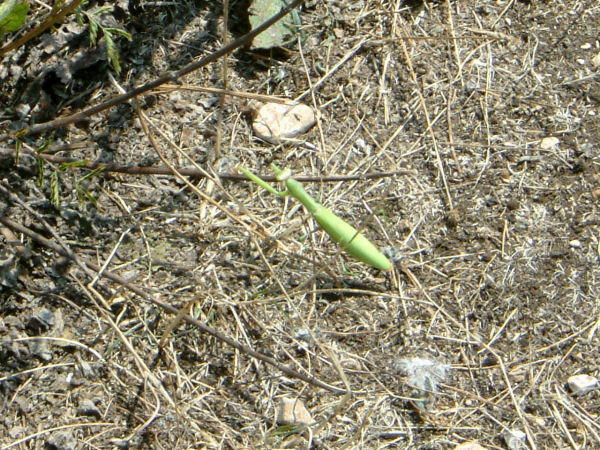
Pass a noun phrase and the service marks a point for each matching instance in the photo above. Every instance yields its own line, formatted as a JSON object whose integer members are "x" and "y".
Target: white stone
{"x": 575, "y": 243}
{"x": 469, "y": 446}
{"x": 549, "y": 142}
{"x": 582, "y": 384}
{"x": 515, "y": 439}
{"x": 293, "y": 412}
{"x": 276, "y": 122}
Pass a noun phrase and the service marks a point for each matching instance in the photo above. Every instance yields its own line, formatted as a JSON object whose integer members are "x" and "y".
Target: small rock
{"x": 120, "y": 443}
{"x": 86, "y": 369}
{"x": 9, "y": 277}
{"x": 515, "y": 439}
{"x": 16, "y": 432}
{"x": 22, "y": 110}
{"x": 46, "y": 317}
{"x": 392, "y": 253}
{"x": 76, "y": 381}
{"x": 41, "y": 349}
{"x": 24, "y": 405}
{"x": 41, "y": 320}
{"x": 276, "y": 122}
{"x": 361, "y": 143}
{"x": 512, "y": 204}
{"x": 305, "y": 340}
{"x": 293, "y": 412}
{"x": 88, "y": 408}
{"x": 304, "y": 335}
{"x": 469, "y": 446}
{"x": 581, "y": 384}
{"x": 62, "y": 440}
{"x": 549, "y": 142}
{"x": 208, "y": 102}
{"x": 575, "y": 243}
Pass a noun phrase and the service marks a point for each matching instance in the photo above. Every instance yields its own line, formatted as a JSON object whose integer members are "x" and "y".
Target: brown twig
{"x": 195, "y": 173}
{"x": 172, "y": 76}
{"x": 222, "y": 96}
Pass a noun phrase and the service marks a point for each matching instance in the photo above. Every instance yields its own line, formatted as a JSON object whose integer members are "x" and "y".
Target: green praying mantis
{"x": 340, "y": 231}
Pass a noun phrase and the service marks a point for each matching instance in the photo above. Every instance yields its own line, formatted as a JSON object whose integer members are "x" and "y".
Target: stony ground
{"x": 486, "y": 112}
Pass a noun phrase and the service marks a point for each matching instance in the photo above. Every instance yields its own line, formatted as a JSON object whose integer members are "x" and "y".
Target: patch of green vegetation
{"x": 92, "y": 18}
{"x": 278, "y": 34}
{"x": 12, "y": 15}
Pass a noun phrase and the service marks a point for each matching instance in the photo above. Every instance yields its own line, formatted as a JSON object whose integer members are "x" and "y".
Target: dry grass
{"x": 497, "y": 237}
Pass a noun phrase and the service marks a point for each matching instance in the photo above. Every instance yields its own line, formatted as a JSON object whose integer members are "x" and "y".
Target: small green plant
{"x": 83, "y": 193}
{"x": 40, "y": 161}
{"x": 340, "y": 231}
{"x": 14, "y": 12}
{"x": 109, "y": 32}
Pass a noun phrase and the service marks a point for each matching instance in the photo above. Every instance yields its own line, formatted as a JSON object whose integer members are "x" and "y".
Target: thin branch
{"x": 166, "y": 77}
{"x": 195, "y": 173}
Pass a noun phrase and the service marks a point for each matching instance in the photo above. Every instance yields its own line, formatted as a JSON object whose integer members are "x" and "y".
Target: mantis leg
{"x": 262, "y": 183}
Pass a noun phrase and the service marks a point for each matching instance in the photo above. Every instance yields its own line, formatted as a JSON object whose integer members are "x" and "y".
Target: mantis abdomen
{"x": 339, "y": 230}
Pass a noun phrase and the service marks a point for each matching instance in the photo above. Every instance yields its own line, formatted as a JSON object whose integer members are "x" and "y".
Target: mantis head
{"x": 281, "y": 175}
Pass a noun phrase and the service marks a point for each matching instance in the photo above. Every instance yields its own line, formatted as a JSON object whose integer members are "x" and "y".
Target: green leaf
{"x": 83, "y": 194}
{"x": 92, "y": 174}
{"x": 18, "y": 146}
{"x": 12, "y": 15}
{"x": 40, "y": 179}
{"x": 93, "y": 29}
{"x": 102, "y": 10}
{"x": 111, "y": 52}
{"x": 79, "y": 17}
{"x": 42, "y": 148}
{"x": 80, "y": 194}
{"x": 54, "y": 189}
{"x": 119, "y": 31}
{"x": 275, "y": 36}
{"x": 72, "y": 164}
{"x": 6, "y": 9}
{"x": 90, "y": 197}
